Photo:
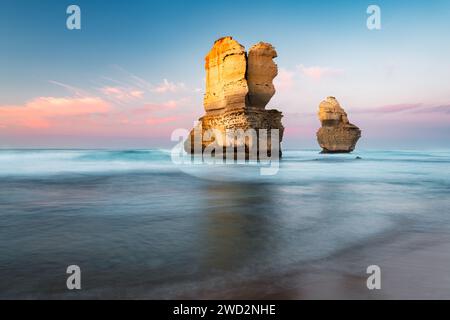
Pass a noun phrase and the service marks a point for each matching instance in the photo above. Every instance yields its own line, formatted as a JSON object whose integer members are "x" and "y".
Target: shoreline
{"x": 413, "y": 266}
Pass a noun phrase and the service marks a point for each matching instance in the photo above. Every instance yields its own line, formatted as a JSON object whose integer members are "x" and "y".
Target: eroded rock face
{"x": 337, "y": 134}
{"x": 237, "y": 90}
{"x": 225, "y": 65}
{"x": 261, "y": 71}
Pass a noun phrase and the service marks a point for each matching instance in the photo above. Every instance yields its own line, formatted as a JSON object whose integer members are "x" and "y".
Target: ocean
{"x": 140, "y": 226}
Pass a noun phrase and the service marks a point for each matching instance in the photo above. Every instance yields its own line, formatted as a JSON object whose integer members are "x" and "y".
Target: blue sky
{"x": 393, "y": 82}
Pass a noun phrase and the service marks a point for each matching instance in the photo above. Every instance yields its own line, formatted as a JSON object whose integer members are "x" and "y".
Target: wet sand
{"x": 413, "y": 266}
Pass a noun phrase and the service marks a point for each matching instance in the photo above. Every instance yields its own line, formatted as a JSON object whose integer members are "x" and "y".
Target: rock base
{"x": 341, "y": 139}
{"x": 235, "y": 128}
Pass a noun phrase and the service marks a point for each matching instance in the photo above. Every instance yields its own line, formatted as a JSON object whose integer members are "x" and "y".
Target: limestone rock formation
{"x": 261, "y": 71}
{"x": 238, "y": 88}
{"x": 225, "y": 65}
{"x": 337, "y": 134}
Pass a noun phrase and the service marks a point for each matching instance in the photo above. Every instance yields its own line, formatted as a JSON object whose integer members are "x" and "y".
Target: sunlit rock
{"x": 337, "y": 134}
{"x": 238, "y": 87}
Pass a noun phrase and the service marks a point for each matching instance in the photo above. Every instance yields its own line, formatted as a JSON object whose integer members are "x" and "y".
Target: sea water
{"x": 140, "y": 226}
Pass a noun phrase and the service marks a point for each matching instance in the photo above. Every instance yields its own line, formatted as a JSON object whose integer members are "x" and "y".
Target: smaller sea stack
{"x": 337, "y": 134}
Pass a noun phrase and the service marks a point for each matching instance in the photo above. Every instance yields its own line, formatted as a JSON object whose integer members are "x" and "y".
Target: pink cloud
{"x": 390, "y": 108}
{"x": 317, "y": 72}
{"x": 445, "y": 109}
{"x": 137, "y": 93}
{"x": 413, "y": 108}
{"x": 121, "y": 93}
{"x": 89, "y": 117}
{"x": 284, "y": 80}
{"x": 43, "y": 112}
{"x": 114, "y": 109}
{"x": 154, "y": 107}
{"x": 158, "y": 121}
{"x": 167, "y": 86}
{"x": 111, "y": 91}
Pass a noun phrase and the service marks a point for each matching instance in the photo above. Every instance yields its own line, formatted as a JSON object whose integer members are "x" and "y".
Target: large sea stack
{"x": 238, "y": 88}
{"x": 337, "y": 134}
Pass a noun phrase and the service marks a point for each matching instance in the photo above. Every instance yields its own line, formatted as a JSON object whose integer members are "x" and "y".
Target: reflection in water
{"x": 238, "y": 223}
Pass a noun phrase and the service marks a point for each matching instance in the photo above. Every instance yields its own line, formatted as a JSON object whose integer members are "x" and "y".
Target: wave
{"x": 44, "y": 162}
{"x": 296, "y": 162}
{"x": 125, "y": 155}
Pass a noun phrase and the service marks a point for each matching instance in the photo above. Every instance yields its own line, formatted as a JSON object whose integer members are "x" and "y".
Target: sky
{"x": 134, "y": 72}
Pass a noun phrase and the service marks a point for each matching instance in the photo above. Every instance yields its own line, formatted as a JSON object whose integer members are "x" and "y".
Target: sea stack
{"x": 337, "y": 134}
{"x": 238, "y": 88}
